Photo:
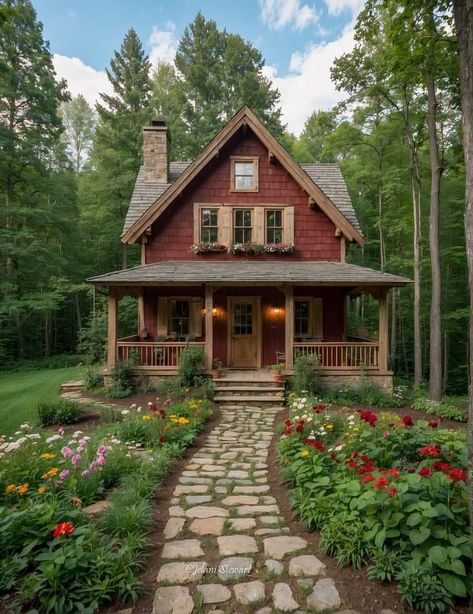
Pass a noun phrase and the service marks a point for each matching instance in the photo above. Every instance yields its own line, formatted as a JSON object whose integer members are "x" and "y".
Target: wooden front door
{"x": 245, "y": 336}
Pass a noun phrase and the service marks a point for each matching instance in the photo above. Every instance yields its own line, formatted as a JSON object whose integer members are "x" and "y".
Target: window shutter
{"x": 258, "y": 226}
{"x": 162, "y": 324}
{"x": 225, "y": 226}
{"x": 196, "y": 223}
{"x": 288, "y": 233}
{"x": 317, "y": 317}
{"x": 196, "y": 307}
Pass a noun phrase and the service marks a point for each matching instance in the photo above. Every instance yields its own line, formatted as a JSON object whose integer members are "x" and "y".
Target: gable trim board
{"x": 244, "y": 117}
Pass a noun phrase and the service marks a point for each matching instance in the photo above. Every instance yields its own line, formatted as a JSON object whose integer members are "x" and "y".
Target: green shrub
{"x": 169, "y": 387}
{"x": 93, "y": 338}
{"x": 443, "y": 409}
{"x": 365, "y": 393}
{"x": 63, "y": 411}
{"x": 92, "y": 379}
{"x": 122, "y": 378}
{"x": 424, "y": 590}
{"x": 127, "y": 517}
{"x": 191, "y": 366}
{"x": 306, "y": 376}
{"x": 343, "y": 536}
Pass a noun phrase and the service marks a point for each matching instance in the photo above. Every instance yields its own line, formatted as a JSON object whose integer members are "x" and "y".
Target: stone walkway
{"x": 227, "y": 547}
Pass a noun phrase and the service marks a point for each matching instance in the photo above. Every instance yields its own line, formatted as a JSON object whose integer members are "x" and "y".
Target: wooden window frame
{"x": 236, "y": 159}
{"x": 252, "y": 227}
{"x": 201, "y": 227}
{"x": 316, "y": 319}
{"x": 196, "y": 307}
{"x": 266, "y": 227}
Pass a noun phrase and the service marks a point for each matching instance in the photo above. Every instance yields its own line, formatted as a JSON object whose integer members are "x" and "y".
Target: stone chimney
{"x": 156, "y": 139}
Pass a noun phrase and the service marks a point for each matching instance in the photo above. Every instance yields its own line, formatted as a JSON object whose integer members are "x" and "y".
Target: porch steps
{"x": 255, "y": 398}
{"x": 252, "y": 389}
{"x": 249, "y": 388}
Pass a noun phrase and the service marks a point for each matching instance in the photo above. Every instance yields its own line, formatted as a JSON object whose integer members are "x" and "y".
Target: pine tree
{"x": 79, "y": 124}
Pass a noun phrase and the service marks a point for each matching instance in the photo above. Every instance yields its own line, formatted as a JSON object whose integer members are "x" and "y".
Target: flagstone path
{"x": 227, "y": 549}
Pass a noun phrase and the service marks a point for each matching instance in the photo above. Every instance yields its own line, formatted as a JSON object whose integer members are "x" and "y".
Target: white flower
{"x": 25, "y": 426}
{"x": 125, "y": 412}
{"x": 77, "y": 433}
{"x": 132, "y": 406}
{"x": 17, "y": 432}
{"x": 53, "y": 438}
{"x": 139, "y": 409}
{"x": 338, "y": 448}
{"x": 12, "y": 446}
{"x": 352, "y": 417}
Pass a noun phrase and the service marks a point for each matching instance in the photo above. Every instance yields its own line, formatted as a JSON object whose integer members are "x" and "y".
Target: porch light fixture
{"x": 276, "y": 310}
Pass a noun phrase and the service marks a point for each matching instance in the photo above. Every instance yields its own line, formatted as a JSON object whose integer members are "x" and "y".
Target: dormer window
{"x": 244, "y": 174}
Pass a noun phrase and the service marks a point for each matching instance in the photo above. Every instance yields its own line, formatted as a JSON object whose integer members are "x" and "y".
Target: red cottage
{"x": 243, "y": 254}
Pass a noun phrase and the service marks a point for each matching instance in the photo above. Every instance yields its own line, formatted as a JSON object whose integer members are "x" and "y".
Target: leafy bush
{"x": 365, "y": 393}
{"x": 191, "y": 366}
{"x": 122, "y": 378}
{"x": 92, "y": 379}
{"x": 386, "y": 490}
{"x": 93, "y": 338}
{"x": 63, "y": 411}
{"x": 169, "y": 387}
{"x": 439, "y": 408}
{"x": 306, "y": 373}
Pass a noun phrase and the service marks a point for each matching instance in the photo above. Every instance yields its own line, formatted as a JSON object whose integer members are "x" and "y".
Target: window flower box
{"x": 255, "y": 249}
{"x": 207, "y": 248}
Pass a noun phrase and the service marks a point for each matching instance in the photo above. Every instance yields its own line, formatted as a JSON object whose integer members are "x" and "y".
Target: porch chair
{"x": 280, "y": 358}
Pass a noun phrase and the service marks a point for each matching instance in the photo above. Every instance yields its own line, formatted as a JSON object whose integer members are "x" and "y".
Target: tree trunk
{"x": 417, "y": 293}
{"x": 463, "y": 13}
{"x": 435, "y": 377}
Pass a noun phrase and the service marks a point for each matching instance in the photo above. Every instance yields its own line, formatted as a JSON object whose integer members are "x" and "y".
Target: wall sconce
{"x": 276, "y": 310}
{"x": 215, "y": 311}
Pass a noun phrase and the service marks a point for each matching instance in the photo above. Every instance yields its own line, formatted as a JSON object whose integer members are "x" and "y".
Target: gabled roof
{"x": 328, "y": 177}
{"x": 138, "y": 220}
{"x": 195, "y": 272}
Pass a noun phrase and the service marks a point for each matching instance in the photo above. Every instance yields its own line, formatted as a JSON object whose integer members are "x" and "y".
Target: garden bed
{"x": 332, "y": 489}
{"x": 53, "y": 556}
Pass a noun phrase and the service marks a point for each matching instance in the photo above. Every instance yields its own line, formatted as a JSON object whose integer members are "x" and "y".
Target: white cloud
{"x": 277, "y": 14}
{"x": 163, "y": 44}
{"x": 82, "y": 79}
{"x": 335, "y": 7}
{"x": 308, "y": 86}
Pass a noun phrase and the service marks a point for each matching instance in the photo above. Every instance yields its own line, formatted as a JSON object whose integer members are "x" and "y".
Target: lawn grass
{"x": 20, "y": 392}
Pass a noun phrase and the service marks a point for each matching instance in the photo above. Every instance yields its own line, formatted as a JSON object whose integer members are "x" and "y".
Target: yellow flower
{"x": 10, "y": 488}
{"x": 183, "y": 421}
{"x": 41, "y": 490}
{"x": 146, "y": 417}
{"x": 305, "y": 453}
{"x": 356, "y": 428}
{"x": 50, "y": 474}
{"x": 21, "y": 490}
{"x": 48, "y": 455}
{"x": 329, "y": 426}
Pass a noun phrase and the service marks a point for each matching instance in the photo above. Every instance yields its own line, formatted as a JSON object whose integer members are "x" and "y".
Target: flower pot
{"x": 278, "y": 377}
{"x": 215, "y": 373}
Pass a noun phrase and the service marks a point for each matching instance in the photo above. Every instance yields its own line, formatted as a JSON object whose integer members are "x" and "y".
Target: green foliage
{"x": 128, "y": 518}
{"x": 59, "y": 361}
{"x": 365, "y": 393}
{"x": 169, "y": 386}
{"x": 79, "y": 126}
{"x": 122, "y": 378}
{"x": 63, "y": 411}
{"x": 444, "y": 409}
{"x": 383, "y": 490}
{"x": 93, "y": 338}
{"x": 191, "y": 366}
{"x": 306, "y": 379}
{"x": 93, "y": 380}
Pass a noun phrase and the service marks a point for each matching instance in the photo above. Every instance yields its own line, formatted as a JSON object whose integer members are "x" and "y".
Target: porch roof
{"x": 248, "y": 272}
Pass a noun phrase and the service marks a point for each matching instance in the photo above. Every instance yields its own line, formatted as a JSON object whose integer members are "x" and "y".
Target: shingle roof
{"x": 330, "y": 180}
{"x": 328, "y": 177}
{"x": 249, "y": 272}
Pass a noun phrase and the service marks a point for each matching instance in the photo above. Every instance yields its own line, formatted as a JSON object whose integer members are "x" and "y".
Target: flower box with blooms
{"x": 256, "y": 249}
{"x": 207, "y": 248}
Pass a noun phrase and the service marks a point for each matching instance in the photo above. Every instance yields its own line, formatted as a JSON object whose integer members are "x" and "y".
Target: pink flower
{"x": 82, "y": 442}
{"x": 60, "y": 430}
{"x": 64, "y": 474}
{"x": 102, "y": 450}
{"x": 86, "y": 473}
{"x": 67, "y": 452}
{"x": 100, "y": 460}
{"x": 386, "y": 434}
{"x": 75, "y": 460}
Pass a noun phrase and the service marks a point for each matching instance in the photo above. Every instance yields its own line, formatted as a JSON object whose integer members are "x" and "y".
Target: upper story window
{"x": 244, "y": 174}
{"x": 242, "y": 226}
{"x": 209, "y": 225}
{"x": 274, "y": 226}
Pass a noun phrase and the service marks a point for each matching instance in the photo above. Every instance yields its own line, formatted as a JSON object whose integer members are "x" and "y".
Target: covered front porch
{"x": 246, "y": 323}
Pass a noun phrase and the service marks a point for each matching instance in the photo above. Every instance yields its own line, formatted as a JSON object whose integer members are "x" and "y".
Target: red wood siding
{"x": 173, "y": 233}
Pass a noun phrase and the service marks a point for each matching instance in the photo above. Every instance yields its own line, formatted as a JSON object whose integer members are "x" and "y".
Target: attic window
{"x": 244, "y": 174}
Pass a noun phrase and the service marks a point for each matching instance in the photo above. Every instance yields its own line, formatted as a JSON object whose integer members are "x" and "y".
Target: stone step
{"x": 255, "y": 398}
{"x": 248, "y": 383}
{"x": 72, "y": 386}
{"x": 252, "y": 389}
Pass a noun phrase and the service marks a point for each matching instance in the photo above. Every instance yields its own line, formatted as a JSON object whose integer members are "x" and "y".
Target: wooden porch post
{"x": 209, "y": 304}
{"x": 112, "y": 329}
{"x": 289, "y": 328}
{"x": 141, "y": 311}
{"x": 383, "y": 329}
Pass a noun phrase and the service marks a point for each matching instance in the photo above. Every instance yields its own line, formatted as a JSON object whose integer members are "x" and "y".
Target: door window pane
{"x": 243, "y": 319}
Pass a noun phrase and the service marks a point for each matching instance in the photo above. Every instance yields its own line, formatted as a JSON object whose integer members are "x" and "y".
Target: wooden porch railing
{"x": 342, "y": 355}
{"x": 161, "y": 355}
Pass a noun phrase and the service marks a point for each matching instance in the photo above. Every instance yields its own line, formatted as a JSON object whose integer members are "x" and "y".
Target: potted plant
{"x": 278, "y": 372}
{"x": 216, "y": 368}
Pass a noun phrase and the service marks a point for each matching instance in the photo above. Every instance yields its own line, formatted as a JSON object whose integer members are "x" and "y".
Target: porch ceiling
{"x": 248, "y": 272}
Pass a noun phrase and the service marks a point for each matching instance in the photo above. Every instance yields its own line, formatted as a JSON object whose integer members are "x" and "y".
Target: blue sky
{"x": 298, "y": 39}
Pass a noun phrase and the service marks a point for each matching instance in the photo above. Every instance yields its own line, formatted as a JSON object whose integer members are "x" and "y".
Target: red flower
{"x": 394, "y": 472}
{"x": 333, "y": 455}
{"x": 318, "y": 407}
{"x": 162, "y": 412}
{"x": 407, "y": 421}
{"x": 287, "y": 431}
{"x": 368, "y": 416}
{"x": 381, "y": 482}
{"x": 287, "y": 422}
{"x": 441, "y": 466}
{"x": 425, "y": 472}
{"x": 367, "y": 478}
{"x": 430, "y": 450}
{"x": 63, "y": 528}
{"x": 392, "y": 491}
{"x": 457, "y": 475}
{"x": 433, "y": 424}
{"x": 153, "y": 407}
{"x": 299, "y": 428}
{"x": 162, "y": 439}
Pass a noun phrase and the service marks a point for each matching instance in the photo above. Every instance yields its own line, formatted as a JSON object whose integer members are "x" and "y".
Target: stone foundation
{"x": 384, "y": 381}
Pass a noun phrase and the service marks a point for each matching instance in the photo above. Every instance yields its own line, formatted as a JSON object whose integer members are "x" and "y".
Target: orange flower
{"x": 41, "y": 490}
{"x": 10, "y": 488}
{"x": 48, "y": 455}
{"x": 23, "y": 489}
{"x": 50, "y": 474}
